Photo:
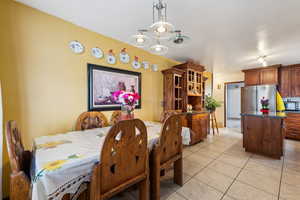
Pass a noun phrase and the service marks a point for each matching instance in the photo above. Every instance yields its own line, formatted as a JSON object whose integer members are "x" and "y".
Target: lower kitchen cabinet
{"x": 292, "y": 126}
{"x": 263, "y": 135}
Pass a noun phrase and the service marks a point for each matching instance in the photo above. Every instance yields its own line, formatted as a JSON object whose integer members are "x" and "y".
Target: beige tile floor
{"x": 219, "y": 169}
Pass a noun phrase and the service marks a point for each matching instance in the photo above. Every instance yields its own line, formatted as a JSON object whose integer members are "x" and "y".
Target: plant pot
{"x": 264, "y": 111}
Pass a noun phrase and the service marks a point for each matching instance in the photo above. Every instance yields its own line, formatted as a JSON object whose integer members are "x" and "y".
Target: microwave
{"x": 292, "y": 105}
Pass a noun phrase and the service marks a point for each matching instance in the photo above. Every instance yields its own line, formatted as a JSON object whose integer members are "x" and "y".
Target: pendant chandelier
{"x": 160, "y": 30}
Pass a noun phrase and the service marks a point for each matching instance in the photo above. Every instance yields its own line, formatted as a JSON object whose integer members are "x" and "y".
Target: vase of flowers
{"x": 128, "y": 101}
{"x": 265, "y": 105}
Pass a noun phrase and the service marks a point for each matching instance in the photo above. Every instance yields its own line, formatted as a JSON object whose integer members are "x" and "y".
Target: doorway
{"x": 232, "y": 118}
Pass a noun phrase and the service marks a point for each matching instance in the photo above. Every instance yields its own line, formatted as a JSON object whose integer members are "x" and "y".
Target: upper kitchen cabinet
{"x": 252, "y": 77}
{"x": 289, "y": 81}
{"x": 285, "y": 81}
{"x": 295, "y": 81}
{"x": 262, "y": 76}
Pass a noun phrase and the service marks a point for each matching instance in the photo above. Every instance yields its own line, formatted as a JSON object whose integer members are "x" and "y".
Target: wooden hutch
{"x": 184, "y": 85}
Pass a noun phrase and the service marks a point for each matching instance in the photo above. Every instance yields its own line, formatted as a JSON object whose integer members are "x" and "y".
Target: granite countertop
{"x": 260, "y": 114}
{"x": 291, "y": 111}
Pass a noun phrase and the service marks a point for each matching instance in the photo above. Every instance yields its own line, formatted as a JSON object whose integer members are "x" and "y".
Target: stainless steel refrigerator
{"x": 251, "y": 96}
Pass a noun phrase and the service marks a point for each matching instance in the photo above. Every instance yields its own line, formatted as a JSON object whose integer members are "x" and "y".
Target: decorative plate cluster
{"x": 124, "y": 57}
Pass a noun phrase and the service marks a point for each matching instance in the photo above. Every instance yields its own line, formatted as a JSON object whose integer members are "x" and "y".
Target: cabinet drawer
{"x": 293, "y": 134}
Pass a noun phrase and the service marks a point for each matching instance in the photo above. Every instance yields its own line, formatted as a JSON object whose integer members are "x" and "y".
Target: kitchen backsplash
{"x": 292, "y": 99}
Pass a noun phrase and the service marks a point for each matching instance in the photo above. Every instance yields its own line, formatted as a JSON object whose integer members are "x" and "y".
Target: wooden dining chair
{"x": 19, "y": 162}
{"x": 123, "y": 161}
{"x": 90, "y": 120}
{"x": 166, "y": 152}
{"x": 167, "y": 113}
{"x": 115, "y": 117}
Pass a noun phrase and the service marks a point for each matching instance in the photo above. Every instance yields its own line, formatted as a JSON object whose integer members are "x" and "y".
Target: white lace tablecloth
{"x": 63, "y": 162}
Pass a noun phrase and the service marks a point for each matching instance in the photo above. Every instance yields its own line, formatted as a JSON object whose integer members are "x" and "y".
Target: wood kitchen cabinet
{"x": 289, "y": 81}
{"x": 295, "y": 81}
{"x": 285, "y": 81}
{"x": 262, "y": 76}
{"x": 252, "y": 77}
{"x": 269, "y": 76}
{"x": 263, "y": 134}
{"x": 292, "y": 126}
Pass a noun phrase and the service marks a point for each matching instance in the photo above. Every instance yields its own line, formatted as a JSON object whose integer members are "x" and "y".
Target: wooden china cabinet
{"x": 184, "y": 85}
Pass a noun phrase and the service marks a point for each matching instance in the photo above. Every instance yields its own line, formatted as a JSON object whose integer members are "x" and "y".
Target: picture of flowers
{"x": 105, "y": 82}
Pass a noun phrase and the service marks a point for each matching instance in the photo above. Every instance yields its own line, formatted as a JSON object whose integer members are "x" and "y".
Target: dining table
{"x": 62, "y": 163}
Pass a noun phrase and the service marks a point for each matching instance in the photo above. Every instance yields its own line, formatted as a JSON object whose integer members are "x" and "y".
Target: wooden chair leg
{"x": 216, "y": 123}
{"x": 178, "y": 172}
{"x": 212, "y": 123}
{"x": 155, "y": 183}
{"x": 144, "y": 189}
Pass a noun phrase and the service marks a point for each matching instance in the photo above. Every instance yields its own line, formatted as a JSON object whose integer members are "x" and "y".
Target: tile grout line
{"x": 283, "y": 160}
{"x": 235, "y": 179}
{"x": 205, "y": 166}
{"x": 222, "y": 153}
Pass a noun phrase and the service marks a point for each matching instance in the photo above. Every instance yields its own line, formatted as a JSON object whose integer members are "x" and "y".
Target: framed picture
{"x": 104, "y": 81}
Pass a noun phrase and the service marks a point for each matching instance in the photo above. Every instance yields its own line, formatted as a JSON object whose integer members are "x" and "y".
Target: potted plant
{"x": 211, "y": 104}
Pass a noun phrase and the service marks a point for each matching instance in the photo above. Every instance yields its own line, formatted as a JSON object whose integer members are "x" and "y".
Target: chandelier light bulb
{"x": 161, "y": 29}
{"x": 140, "y": 40}
{"x": 158, "y": 49}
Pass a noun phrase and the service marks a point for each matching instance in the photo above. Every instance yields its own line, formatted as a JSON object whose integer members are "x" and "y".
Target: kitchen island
{"x": 264, "y": 133}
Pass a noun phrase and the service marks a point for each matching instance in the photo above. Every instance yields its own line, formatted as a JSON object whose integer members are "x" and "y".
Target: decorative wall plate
{"x": 136, "y": 64}
{"x": 145, "y": 64}
{"x": 76, "y": 47}
{"x": 154, "y": 67}
{"x": 124, "y": 57}
{"x": 110, "y": 58}
{"x": 97, "y": 52}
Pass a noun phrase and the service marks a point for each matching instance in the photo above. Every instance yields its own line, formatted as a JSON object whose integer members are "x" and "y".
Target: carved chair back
{"x": 124, "y": 155}
{"x": 171, "y": 140}
{"x": 20, "y": 164}
{"x": 15, "y": 147}
{"x": 90, "y": 120}
{"x": 168, "y": 113}
{"x": 115, "y": 117}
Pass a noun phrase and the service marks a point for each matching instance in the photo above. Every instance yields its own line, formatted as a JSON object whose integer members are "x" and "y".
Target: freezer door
{"x": 269, "y": 92}
{"x": 249, "y": 96}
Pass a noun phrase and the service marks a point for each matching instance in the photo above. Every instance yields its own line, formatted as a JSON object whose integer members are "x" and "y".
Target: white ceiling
{"x": 227, "y": 35}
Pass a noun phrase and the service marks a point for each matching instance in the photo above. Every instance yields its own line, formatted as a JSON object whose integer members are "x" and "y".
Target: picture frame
{"x": 104, "y": 81}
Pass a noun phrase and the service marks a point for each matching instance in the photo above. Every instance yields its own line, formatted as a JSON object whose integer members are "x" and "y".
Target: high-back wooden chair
{"x": 19, "y": 162}
{"x": 115, "y": 117}
{"x": 166, "y": 152}
{"x": 90, "y": 120}
{"x": 167, "y": 113}
{"x": 123, "y": 161}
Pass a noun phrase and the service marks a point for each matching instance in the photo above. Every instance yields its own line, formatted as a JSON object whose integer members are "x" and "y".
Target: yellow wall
{"x": 218, "y": 94}
{"x": 45, "y": 84}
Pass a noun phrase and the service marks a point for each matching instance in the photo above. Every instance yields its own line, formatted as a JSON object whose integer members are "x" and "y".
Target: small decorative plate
{"x": 124, "y": 57}
{"x": 111, "y": 59}
{"x": 145, "y": 64}
{"x": 136, "y": 64}
{"x": 97, "y": 52}
{"x": 154, "y": 67}
{"x": 76, "y": 47}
